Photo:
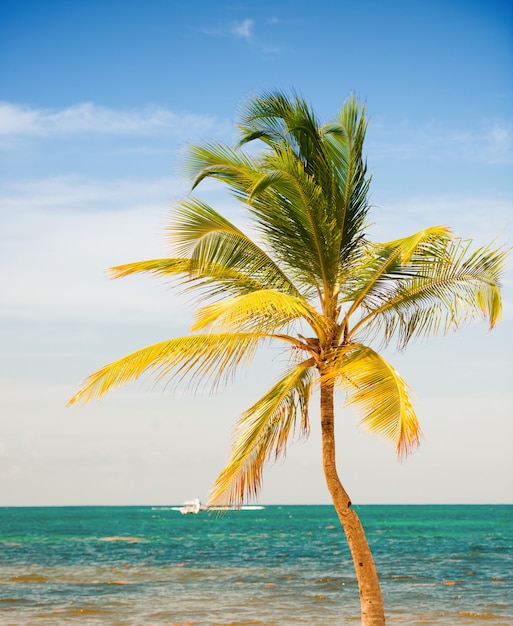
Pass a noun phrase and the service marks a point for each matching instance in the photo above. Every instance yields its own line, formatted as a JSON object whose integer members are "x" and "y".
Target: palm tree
{"x": 311, "y": 279}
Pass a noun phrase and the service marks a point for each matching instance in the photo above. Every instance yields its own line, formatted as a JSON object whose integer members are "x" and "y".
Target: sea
{"x": 271, "y": 566}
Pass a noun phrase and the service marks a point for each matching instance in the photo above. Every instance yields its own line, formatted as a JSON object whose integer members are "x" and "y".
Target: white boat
{"x": 191, "y": 507}
{"x": 194, "y": 506}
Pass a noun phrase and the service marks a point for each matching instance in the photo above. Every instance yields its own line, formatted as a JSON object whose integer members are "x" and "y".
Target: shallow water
{"x": 443, "y": 565}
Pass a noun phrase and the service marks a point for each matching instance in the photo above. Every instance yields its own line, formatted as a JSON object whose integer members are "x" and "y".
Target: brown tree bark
{"x": 371, "y": 602}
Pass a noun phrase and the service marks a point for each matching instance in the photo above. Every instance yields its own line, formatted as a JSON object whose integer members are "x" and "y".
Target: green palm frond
{"x": 262, "y": 433}
{"x": 307, "y": 189}
{"x": 290, "y": 209}
{"x": 276, "y": 180}
{"x": 196, "y": 357}
{"x": 281, "y": 122}
{"x": 344, "y": 138}
{"x": 217, "y": 248}
{"x": 379, "y": 393}
{"x": 265, "y": 311}
{"x": 231, "y": 166}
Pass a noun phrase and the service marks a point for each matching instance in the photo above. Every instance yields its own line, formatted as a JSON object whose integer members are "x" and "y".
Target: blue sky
{"x": 98, "y": 101}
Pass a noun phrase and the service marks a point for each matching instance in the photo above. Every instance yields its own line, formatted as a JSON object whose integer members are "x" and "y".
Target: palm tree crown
{"x": 310, "y": 279}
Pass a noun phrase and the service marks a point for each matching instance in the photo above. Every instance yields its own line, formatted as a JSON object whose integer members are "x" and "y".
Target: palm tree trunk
{"x": 371, "y": 602}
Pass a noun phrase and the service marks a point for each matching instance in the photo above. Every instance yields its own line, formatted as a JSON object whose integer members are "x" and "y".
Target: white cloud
{"x": 492, "y": 143}
{"x": 87, "y": 117}
{"x": 240, "y": 29}
{"x": 243, "y": 29}
{"x": 499, "y": 142}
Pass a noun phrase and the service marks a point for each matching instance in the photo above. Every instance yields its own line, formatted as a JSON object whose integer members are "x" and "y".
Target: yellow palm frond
{"x": 212, "y": 280}
{"x": 262, "y": 433}
{"x": 197, "y": 357}
{"x": 438, "y": 292}
{"x": 160, "y": 267}
{"x": 382, "y": 397}
{"x": 385, "y": 263}
{"x": 265, "y": 311}
{"x": 429, "y": 240}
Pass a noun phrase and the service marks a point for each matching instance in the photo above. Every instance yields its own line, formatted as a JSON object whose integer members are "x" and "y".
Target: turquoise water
{"x": 282, "y": 565}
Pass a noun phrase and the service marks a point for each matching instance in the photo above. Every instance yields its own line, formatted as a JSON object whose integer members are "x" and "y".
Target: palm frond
{"x": 265, "y": 311}
{"x": 376, "y": 389}
{"x": 378, "y": 271}
{"x": 160, "y": 267}
{"x": 426, "y": 243}
{"x": 197, "y": 357}
{"x": 218, "y": 249}
{"x": 307, "y": 190}
{"x": 343, "y": 141}
{"x": 284, "y": 200}
{"x": 290, "y": 210}
{"x": 280, "y": 121}
{"x": 439, "y": 292}
{"x": 213, "y": 281}
{"x": 314, "y": 186}
{"x": 218, "y": 161}
{"x": 262, "y": 433}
